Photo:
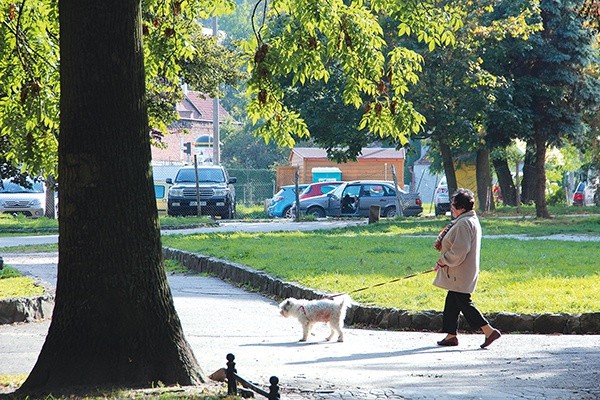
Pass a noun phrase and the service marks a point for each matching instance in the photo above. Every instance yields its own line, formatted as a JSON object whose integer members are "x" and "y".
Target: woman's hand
{"x": 439, "y": 264}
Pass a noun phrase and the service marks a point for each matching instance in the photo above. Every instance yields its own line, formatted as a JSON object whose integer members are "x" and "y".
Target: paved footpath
{"x": 219, "y": 318}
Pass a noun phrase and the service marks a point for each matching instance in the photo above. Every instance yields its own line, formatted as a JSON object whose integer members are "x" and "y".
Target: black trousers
{"x": 455, "y": 304}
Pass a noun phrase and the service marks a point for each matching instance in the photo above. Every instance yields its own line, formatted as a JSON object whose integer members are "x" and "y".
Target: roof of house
{"x": 203, "y": 105}
{"x": 367, "y": 153}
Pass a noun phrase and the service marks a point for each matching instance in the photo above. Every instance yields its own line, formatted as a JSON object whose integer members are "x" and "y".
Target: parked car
{"x": 584, "y": 195}
{"x": 441, "y": 197}
{"x": 29, "y": 200}
{"x": 161, "y": 190}
{"x": 282, "y": 201}
{"x": 215, "y": 187}
{"x": 354, "y": 199}
{"x": 318, "y": 189}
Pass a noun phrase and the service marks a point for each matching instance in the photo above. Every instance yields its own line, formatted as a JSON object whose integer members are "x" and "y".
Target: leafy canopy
{"x": 175, "y": 51}
{"x": 307, "y": 40}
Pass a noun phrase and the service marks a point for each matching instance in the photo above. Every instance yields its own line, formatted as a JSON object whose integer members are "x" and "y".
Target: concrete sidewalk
{"x": 218, "y": 318}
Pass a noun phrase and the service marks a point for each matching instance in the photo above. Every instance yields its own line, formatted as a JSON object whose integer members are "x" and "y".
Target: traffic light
{"x": 187, "y": 148}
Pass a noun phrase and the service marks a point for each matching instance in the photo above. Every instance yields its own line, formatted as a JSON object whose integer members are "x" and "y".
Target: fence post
{"x": 274, "y": 388}
{"x": 231, "y": 381}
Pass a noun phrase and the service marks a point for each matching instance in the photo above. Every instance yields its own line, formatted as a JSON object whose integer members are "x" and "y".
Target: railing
{"x": 233, "y": 378}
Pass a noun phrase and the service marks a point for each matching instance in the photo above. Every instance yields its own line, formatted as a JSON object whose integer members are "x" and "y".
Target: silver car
{"x": 354, "y": 199}
{"x": 17, "y": 199}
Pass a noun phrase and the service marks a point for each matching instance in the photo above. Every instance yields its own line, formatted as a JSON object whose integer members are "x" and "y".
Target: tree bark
{"x": 449, "y": 170}
{"x": 484, "y": 180}
{"x": 541, "y": 208}
{"x": 50, "y": 203}
{"x": 114, "y": 321}
{"x": 505, "y": 181}
{"x": 529, "y": 182}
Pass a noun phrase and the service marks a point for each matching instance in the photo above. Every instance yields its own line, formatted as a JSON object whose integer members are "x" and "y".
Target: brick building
{"x": 195, "y": 121}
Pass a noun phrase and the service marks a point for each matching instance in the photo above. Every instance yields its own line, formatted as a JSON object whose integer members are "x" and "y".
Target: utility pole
{"x": 216, "y": 147}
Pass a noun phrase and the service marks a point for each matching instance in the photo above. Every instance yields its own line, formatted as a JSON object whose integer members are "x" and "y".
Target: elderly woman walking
{"x": 457, "y": 269}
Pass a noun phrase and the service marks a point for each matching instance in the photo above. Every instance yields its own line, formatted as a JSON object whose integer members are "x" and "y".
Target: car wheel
{"x": 438, "y": 211}
{"x": 287, "y": 213}
{"x": 390, "y": 212}
{"x": 316, "y": 211}
{"x": 229, "y": 214}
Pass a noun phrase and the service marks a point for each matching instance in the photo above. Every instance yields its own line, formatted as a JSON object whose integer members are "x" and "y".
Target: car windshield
{"x": 10, "y": 187}
{"x": 204, "y": 175}
{"x": 337, "y": 192}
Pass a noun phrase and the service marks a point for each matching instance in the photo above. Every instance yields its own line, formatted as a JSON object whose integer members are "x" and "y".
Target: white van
{"x": 17, "y": 199}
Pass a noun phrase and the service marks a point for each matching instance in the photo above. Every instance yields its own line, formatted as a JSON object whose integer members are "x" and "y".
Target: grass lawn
{"x": 524, "y": 276}
{"x": 12, "y": 285}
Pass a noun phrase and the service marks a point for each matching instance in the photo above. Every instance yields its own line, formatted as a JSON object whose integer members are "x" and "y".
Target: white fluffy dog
{"x": 309, "y": 312}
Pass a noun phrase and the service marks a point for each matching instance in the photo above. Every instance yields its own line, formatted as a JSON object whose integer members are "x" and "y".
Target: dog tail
{"x": 345, "y": 300}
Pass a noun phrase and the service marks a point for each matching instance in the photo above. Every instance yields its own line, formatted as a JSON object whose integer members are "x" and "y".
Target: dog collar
{"x": 301, "y": 308}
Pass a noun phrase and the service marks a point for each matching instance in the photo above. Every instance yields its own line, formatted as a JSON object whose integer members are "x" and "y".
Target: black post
{"x": 274, "y": 388}
{"x": 231, "y": 381}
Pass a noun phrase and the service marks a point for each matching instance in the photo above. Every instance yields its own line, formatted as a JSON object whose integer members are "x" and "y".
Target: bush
{"x": 557, "y": 198}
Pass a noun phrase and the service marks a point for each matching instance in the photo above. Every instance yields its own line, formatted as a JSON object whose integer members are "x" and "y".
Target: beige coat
{"x": 460, "y": 251}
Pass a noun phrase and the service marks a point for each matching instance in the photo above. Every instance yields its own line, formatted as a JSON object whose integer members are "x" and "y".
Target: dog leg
{"x": 306, "y": 327}
{"x": 336, "y": 328}
{"x": 328, "y": 338}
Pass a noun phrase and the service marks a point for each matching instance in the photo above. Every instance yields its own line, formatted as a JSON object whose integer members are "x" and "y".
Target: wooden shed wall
{"x": 361, "y": 169}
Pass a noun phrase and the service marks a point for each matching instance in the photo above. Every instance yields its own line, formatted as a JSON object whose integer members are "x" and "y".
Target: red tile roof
{"x": 204, "y": 106}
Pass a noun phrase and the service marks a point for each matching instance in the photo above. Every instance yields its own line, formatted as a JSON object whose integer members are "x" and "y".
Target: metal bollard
{"x": 231, "y": 371}
{"x": 274, "y": 388}
{"x": 374, "y": 214}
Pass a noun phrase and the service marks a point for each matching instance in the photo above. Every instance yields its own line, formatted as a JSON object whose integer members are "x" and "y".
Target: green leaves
{"x": 308, "y": 40}
{"x": 174, "y": 45}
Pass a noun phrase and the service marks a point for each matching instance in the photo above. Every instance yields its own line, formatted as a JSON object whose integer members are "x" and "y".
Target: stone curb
{"x": 26, "y": 309}
{"x": 382, "y": 318}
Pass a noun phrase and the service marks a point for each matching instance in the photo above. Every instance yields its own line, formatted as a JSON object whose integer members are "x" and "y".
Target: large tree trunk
{"x": 529, "y": 183}
{"x": 505, "y": 181}
{"x": 541, "y": 208}
{"x": 449, "y": 170}
{"x": 114, "y": 320}
{"x": 484, "y": 180}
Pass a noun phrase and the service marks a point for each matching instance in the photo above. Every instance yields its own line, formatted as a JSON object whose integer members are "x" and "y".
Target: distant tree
{"x": 334, "y": 125}
{"x": 457, "y": 93}
{"x": 554, "y": 88}
{"x": 242, "y": 149}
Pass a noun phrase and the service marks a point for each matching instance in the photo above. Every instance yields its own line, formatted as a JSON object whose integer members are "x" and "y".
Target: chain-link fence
{"x": 253, "y": 188}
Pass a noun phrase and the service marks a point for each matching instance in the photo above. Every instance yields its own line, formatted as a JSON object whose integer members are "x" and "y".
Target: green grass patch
{"x": 20, "y": 224}
{"x": 256, "y": 211}
{"x": 524, "y": 276}
{"x": 13, "y": 285}
{"x": 32, "y": 248}
{"x": 11, "y": 382}
{"x": 175, "y": 267}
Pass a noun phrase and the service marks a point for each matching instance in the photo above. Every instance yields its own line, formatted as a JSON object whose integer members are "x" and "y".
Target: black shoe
{"x": 453, "y": 341}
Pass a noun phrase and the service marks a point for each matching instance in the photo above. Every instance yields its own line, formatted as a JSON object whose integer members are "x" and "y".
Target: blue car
{"x": 281, "y": 202}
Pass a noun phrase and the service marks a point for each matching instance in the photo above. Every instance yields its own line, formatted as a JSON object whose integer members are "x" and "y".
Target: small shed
{"x": 372, "y": 163}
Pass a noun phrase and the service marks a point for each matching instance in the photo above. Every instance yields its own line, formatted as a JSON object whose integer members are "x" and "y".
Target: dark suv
{"x": 215, "y": 189}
